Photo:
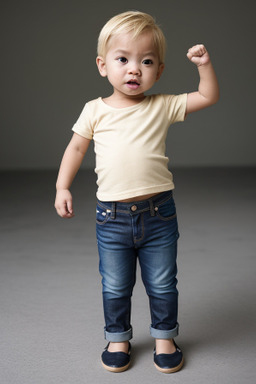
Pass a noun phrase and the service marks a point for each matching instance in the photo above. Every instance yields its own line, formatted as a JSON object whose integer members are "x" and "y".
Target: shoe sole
{"x": 114, "y": 369}
{"x": 170, "y": 370}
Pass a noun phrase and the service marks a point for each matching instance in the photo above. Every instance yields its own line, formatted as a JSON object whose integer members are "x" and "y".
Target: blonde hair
{"x": 134, "y": 22}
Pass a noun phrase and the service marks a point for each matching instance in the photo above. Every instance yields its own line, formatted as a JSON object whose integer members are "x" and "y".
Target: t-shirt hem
{"x": 85, "y": 135}
{"x": 134, "y": 193}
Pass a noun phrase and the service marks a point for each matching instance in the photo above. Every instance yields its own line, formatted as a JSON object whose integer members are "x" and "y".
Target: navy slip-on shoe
{"x": 116, "y": 361}
{"x": 169, "y": 363}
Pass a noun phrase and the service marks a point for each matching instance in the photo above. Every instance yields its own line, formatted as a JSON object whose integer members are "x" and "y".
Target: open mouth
{"x": 133, "y": 84}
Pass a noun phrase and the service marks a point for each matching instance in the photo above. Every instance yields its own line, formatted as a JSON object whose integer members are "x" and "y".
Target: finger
{"x": 195, "y": 60}
{"x": 70, "y": 207}
{"x": 62, "y": 211}
{"x": 192, "y": 58}
{"x": 65, "y": 215}
{"x": 197, "y": 50}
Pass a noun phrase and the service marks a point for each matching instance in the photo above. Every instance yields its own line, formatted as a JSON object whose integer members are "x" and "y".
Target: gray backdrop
{"x": 48, "y": 72}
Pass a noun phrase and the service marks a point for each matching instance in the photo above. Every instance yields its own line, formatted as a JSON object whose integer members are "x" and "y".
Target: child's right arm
{"x": 70, "y": 164}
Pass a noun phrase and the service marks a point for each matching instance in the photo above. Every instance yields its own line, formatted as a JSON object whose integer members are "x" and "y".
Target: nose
{"x": 134, "y": 69}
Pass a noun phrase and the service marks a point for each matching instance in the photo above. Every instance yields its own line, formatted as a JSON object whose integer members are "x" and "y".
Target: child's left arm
{"x": 208, "y": 89}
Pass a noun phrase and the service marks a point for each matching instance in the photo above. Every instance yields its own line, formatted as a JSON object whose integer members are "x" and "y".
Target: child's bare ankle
{"x": 118, "y": 347}
{"x": 165, "y": 346}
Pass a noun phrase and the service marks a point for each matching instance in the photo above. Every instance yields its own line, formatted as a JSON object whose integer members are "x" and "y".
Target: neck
{"x": 119, "y": 101}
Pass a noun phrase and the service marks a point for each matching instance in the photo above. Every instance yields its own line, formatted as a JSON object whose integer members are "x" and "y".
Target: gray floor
{"x": 51, "y": 316}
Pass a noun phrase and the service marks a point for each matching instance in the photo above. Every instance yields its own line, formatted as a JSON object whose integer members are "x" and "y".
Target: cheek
{"x": 115, "y": 73}
{"x": 151, "y": 76}
{"x": 112, "y": 76}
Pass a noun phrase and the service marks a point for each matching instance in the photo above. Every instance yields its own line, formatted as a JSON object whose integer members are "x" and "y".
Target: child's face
{"x": 132, "y": 66}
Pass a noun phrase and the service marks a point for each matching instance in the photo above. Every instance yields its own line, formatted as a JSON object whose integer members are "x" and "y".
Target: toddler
{"x": 136, "y": 216}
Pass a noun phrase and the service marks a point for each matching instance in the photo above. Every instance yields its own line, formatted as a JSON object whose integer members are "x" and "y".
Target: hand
{"x": 63, "y": 203}
{"x": 198, "y": 55}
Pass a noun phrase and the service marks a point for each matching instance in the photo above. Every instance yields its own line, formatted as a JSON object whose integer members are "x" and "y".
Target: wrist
{"x": 61, "y": 188}
{"x": 204, "y": 64}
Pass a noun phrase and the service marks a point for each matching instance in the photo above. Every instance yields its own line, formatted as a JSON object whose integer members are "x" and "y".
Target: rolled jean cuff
{"x": 118, "y": 337}
{"x": 163, "y": 333}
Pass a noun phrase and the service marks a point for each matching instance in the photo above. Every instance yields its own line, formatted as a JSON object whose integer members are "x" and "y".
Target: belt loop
{"x": 152, "y": 209}
{"x": 113, "y": 211}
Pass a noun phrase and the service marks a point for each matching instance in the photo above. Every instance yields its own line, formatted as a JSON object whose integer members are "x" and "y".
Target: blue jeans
{"x": 146, "y": 231}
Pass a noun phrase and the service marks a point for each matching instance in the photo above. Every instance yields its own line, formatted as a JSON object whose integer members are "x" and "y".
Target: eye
{"x": 147, "y": 62}
{"x": 122, "y": 60}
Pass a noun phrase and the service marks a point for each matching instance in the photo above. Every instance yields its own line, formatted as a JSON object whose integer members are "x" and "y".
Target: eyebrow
{"x": 123, "y": 52}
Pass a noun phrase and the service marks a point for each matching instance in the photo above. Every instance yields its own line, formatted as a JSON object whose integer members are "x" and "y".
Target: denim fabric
{"x": 146, "y": 231}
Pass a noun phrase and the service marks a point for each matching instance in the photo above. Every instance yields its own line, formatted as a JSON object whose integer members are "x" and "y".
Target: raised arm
{"x": 70, "y": 164}
{"x": 208, "y": 89}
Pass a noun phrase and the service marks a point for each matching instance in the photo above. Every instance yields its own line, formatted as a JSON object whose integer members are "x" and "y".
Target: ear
{"x": 101, "y": 66}
{"x": 160, "y": 71}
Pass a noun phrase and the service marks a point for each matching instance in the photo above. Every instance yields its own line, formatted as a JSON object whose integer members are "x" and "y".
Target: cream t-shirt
{"x": 130, "y": 144}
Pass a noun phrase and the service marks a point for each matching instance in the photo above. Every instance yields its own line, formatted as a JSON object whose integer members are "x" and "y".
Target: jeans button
{"x": 134, "y": 208}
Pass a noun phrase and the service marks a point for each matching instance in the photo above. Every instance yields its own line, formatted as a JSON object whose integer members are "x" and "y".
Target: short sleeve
{"x": 83, "y": 125}
{"x": 176, "y": 107}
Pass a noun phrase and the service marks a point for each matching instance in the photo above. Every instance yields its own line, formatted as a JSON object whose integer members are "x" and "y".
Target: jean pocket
{"x": 102, "y": 215}
{"x": 166, "y": 211}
